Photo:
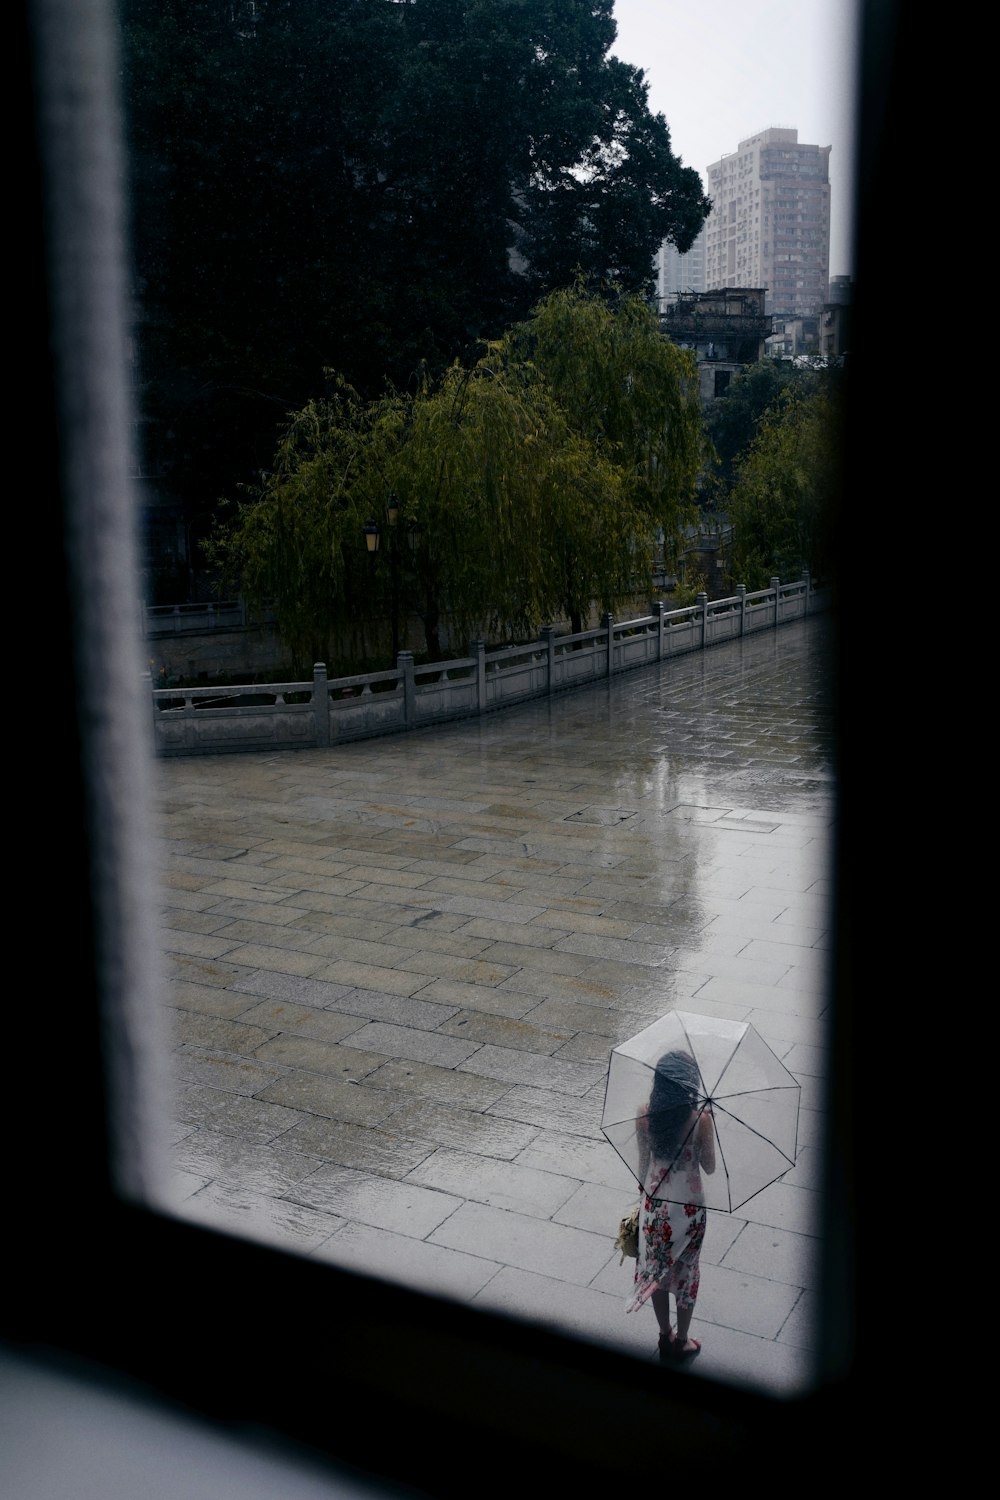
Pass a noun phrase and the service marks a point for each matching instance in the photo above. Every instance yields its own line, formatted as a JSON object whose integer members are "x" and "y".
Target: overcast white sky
{"x": 720, "y": 70}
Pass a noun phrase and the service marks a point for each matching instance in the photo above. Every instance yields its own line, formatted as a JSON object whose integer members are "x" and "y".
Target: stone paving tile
{"x": 260, "y": 1217}
{"x": 330, "y": 1098}
{"x": 775, "y": 1255}
{"x": 609, "y": 1022}
{"x": 249, "y": 1119}
{"x": 236, "y": 1075}
{"x": 577, "y": 1157}
{"x": 193, "y": 944}
{"x": 282, "y": 960}
{"x": 383, "y": 1151}
{"x": 782, "y": 1207}
{"x": 301, "y": 1020}
{"x": 210, "y": 1000}
{"x": 540, "y": 960}
{"x": 418, "y": 1046}
{"x": 807, "y": 1171}
{"x": 463, "y": 970}
{"x": 189, "y": 968}
{"x": 583, "y": 921}
{"x": 305, "y": 862}
{"x": 549, "y": 1111}
{"x": 255, "y": 1167}
{"x": 513, "y": 913}
{"x": 193, "y": 921}
{"x": 586, "y": 986}
{"x": 265, "y": 914}
{"x": 464, "y": 1129}
{"x": 500, "y": 1184}
{"x": 501, "y": 1031}
{"x": 528, "y": 936}
{"x": 492, "y": 1000}
{"x": 420, "y": 938}
{"x": 312, "y": 1056}
{"x": 402, "y": 1207}
{"x": 175, "y": 1193}
{"x": 584, "y": 1048}
{"x": 781, "y": 1030}
{"x": 266, "y": 935}
{"x": 297, "y": 988}
{"x": 761, "y": 997}
{"x": 342, "y": 908}
{"x": 748, "y": 1303}
{"x": 597, "y": 1208}
{"x": 216, "y": 1034}
{"x": 409, "y": 1262}
{"x": 444, "y": 1085}
{"x": 245, "y": 890}
{"x": 532, "y": 1244}
{"x": 801, "y": 1327}
{"x": 369, "y": 977}
{"x": 524, "y": 1068}
{"x": 340, "y": 946}
{"x": 317, "y": 926}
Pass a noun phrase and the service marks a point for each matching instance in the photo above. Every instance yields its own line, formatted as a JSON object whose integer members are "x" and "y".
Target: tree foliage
{"x": 540, "y": 479}
{"x": 782, "y": 506}
{"x": 732, "y": 420}
{"x": 365, "y": 184}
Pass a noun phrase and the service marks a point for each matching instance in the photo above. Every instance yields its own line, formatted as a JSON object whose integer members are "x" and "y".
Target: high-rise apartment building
{"x": 770, "y": 222}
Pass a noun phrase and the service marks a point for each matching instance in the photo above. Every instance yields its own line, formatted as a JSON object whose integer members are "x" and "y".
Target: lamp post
{"x": 372, "y": 537}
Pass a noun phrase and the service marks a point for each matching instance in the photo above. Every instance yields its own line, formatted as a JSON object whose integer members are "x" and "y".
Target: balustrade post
{"x": 775, "y": 584}
{"x": 657, "y": 611}
{"x": 478, "y": 650}
{"x": 404, "y": 662}
{"x": 806, "y": 579}
{"x": 549, "y": 637}
{"x": 147, "y": 681}
{"x": 702, "y": 603}
{"x": 741, "y": 594}
{"x": 321, "y": 704}
{"x": 608, "y": 622}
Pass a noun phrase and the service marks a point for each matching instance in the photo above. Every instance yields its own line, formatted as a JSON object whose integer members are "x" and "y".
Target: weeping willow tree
{"x": 631, "y": 393}
{"x": 535, "y": 483}
{"x": 782, "y": 506}
{"x": 299, "y": 541}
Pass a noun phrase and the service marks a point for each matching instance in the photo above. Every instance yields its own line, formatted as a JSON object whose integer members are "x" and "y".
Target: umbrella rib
{"x": 773, "y": 1088}
{"x": 753, "y": 1131}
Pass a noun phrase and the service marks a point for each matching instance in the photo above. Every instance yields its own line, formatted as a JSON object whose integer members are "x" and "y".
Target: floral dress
{"x": 671, "y": 1234}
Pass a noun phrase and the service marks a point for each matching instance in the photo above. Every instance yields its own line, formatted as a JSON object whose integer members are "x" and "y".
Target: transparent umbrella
{"x": 725, "y": 1068}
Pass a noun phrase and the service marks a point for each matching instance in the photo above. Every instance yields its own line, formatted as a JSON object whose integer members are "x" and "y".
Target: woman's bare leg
{"x": 684, "y": 1316}
{"x": 661, "y": 1307}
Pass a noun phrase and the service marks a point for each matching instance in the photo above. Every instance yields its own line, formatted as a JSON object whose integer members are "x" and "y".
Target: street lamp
{"x": 371, "y": 536}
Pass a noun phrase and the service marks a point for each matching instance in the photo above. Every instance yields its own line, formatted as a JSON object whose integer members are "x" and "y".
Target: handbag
{"x": 627, "y": 1240}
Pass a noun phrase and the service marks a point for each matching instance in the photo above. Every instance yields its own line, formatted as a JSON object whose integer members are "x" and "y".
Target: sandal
{"x": 665, "y": 1348}
{"x": 687, "y": 1350}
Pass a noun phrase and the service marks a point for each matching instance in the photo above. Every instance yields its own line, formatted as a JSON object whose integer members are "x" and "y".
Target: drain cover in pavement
{"x": 601, "y": 815}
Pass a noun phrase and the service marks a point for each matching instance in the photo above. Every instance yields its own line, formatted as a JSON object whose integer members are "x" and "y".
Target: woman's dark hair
{"x": 675, "y": 1094}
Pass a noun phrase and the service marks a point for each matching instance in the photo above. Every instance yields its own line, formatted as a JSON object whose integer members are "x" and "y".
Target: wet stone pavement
{"x": 396, "y": 970}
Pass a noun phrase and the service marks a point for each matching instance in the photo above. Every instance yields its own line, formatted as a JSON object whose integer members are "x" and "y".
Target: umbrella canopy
{"x": 722, "y": 1068}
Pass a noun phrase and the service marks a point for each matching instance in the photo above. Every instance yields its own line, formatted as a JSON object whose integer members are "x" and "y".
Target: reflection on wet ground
{"x": 397, "y": 969}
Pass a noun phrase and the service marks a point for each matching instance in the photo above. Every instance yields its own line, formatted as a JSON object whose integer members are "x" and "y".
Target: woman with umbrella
{"x": 676, "y": 1141}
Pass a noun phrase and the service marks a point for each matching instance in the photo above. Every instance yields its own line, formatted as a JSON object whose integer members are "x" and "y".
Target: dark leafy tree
{"x": 366, "y": 185}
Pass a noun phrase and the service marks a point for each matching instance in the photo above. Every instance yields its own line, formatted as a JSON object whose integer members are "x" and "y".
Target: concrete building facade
{"x": 770, "y": 222}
